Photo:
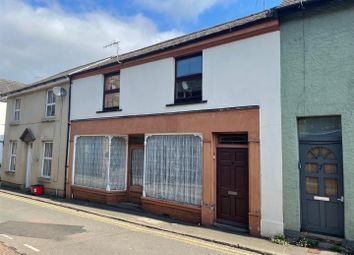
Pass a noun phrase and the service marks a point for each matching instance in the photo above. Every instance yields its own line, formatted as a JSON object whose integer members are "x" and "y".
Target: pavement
{"x": 208, "y": 240}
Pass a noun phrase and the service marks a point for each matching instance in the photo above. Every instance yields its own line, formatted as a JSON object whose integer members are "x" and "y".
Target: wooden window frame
{"x": 112, "y": 91}
{"x": 50, "y": 104}
{"x": 47, "y": 158}
{"x": 17, "y": 110}
{"x": 188, "y": 77}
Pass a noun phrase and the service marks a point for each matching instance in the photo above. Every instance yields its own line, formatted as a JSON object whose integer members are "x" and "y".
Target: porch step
{"x": 322, "y": 238}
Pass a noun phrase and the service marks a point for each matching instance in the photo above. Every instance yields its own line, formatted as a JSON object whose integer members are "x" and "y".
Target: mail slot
{"x": 232, "y": 193}
{"x": 318, "y": 198}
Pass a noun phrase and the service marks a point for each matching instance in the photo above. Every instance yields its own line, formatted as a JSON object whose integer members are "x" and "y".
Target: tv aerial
{"x": 115, "y": 43}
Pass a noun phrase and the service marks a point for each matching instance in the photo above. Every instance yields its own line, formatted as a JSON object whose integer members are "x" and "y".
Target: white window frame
{"x": 12, "y": 155}
{"x": 49, "y": 104}
{"x": 17, "y": 110}
{"x": 47, "y": 158}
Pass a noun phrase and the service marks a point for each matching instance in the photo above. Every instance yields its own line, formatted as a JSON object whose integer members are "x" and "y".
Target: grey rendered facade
{"x": 317, "y": 62}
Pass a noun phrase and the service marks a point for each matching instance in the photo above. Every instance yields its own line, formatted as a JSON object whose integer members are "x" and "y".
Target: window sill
{"x": 187, "y": 103}
{"x": 14, "y": 123}
{"x": 110, "y": 110}
{"x": 10, "y": 172}
{"x": 44, "y": 179}
{"x": 49, "y": 119}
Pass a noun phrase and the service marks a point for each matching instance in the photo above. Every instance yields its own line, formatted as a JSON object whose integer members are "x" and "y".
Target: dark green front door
{"x": 322, "y": 198}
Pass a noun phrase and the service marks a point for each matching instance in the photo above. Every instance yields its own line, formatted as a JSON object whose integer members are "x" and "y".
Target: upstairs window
{"x": 111, "y": 96}
{"x": 12, "y": 165}
{"x": 17, "y": 107}
{"x": 188, "y": 86}
{"x": 50, "y": 104}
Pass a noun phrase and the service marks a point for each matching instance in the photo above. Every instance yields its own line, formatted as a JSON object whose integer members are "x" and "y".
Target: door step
{"x": 322, "y": 238}
{"x": 231, "y": 228}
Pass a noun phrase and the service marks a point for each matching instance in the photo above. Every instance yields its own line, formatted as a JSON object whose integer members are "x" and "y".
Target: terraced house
{"x": 317, "y": 62}
{"x": 248, "y": 124}
{"x": 184, "y": 127}
{"x": 36, "y": 135}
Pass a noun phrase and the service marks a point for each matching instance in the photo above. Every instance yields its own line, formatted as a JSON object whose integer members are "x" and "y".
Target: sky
{"x": 39, "y": 38}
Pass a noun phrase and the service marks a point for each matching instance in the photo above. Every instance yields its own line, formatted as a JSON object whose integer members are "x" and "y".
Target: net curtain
{"x": 173, "y": 168}
{"x": 100, "y": 162}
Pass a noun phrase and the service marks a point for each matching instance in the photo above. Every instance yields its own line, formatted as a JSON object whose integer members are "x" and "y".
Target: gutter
{"x": 36, "y": 87}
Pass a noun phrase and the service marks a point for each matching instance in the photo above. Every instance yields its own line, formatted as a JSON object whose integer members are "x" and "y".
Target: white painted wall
{"x": 241, "y": 73}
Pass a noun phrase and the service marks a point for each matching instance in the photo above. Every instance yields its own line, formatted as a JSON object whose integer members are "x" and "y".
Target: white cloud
{"x": 38, "y": 42}
{"x": 180, "y": 10}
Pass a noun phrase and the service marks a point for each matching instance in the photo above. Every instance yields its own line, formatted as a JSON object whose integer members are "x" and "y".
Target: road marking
{"x": 6, "y": 236}
{"x": 31, "y": 247}
{"x": 132, "y": 227}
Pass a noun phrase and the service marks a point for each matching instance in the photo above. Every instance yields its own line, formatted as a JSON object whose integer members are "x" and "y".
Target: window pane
{"x": 331, "y": 187}
{"x": 311, "y": 168}
{"x": 137, "y": 166}
{"x": 112, "y": 82}
{"x": 312, "y": 185}
{"x": 173, "y": 169}
{"x": 189, "y": 89}
{"x": 320, "y": 126}
{"x": 111, "y": 100}
{"x": 47, "y": 166}
{"x": 51, "y": 110}
{"x": 189, "y": 66}
{"x": 118, "y": 164}
{"x": 48, "y": 150}
{"x": 14, "y": 148}
{"x": 17, "y": 115}
{"x": 12, "y": 163}
{"x": 50, "y": 97}
{"x": 91, "y": 162}
{"x": 330, "y": 168}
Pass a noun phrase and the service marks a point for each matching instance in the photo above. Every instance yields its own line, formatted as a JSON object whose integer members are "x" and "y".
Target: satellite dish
{"x": 59, "y": 91}
{"x": 185, "y": 85}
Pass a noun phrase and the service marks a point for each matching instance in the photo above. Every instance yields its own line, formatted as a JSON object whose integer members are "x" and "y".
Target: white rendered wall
{"x": 241, "y": 73}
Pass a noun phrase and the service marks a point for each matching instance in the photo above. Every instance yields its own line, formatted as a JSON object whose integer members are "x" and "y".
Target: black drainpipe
{"x": 67, "y": 138}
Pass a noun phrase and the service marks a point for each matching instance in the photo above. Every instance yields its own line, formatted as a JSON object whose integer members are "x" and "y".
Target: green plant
{"x": 307, "y": 243}
{"x": 279, "y": 239}
{"x": 336, "y": 248}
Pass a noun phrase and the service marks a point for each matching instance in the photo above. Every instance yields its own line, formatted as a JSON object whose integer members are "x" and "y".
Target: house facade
{"x": 35, "y": 139}
{"x": 5, "y": 87}
{"x": 185, "y": 128}
{"x": 317, "y": 62}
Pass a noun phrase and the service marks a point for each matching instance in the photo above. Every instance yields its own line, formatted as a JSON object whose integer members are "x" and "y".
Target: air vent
{"x": 233, "y": 139}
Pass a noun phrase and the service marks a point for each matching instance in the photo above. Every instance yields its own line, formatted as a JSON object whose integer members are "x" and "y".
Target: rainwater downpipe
{"x": 67, "y": 139}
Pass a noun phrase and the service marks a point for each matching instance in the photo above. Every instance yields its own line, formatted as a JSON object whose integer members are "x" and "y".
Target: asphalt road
{"x": 33, "y": 227}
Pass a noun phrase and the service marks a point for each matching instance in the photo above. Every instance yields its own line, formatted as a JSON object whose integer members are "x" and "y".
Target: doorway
{"x": 28, "y": 164}
{"x": 321, "y": 176}
{"x": 232, "y": 186}
{"x": 136, "y": 168}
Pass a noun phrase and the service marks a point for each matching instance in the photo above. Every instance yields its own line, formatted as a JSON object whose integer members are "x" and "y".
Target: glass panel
{"x": 48, "y": 150}
{"x": 50, "y": 97}
{"x": 312, "y": 185}
{"x": 111, "y": 100}
{"x": 189, "y": 89}
{"x": 112, "y": 82}
{"x": 331, "y": 187}
{"x": 317, "y": 127}
{"x": 51, "y": 110}
{"x": 47, "y": 165}
{"x": 118, "y": 164}
{"x": 91, "y": 161}
{"x": 189, "y": 66}
{"x": 311, "y": 168}
{"x": 14, "y": 148}
{"x": 330, "y": 168}
{"x": 173, "y": 169}
{"x": 137, "y": 166}
{"x": 323, "y": 152}
{"x": 17, "y": 104}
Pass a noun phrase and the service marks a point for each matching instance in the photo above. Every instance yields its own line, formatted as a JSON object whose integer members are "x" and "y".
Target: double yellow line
{"x": 132, "y": 227}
